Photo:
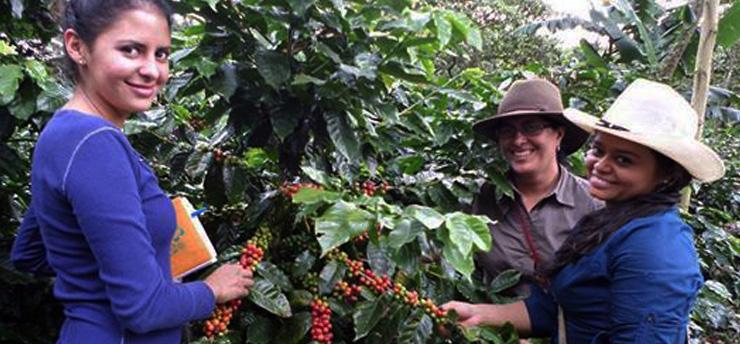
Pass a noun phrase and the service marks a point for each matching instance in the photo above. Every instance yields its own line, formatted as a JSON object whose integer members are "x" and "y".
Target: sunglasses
{"x": 529, "y": 129}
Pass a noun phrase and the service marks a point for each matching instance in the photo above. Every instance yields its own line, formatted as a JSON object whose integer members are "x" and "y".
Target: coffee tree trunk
{"x": 703, "y": 70}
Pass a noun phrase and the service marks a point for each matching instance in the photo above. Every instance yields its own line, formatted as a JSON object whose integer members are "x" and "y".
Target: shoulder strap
{"x": 561, "y": 327}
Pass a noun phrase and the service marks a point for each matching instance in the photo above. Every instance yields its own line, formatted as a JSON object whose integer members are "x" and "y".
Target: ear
{"x": 77, "y": 50}
{"x": 561, "y": 133}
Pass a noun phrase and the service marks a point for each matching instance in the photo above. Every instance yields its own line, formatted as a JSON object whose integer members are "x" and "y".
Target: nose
{"x": 601, "y": 165}
{"x": 149, "y": 69}
{"x": 519, "y": 137}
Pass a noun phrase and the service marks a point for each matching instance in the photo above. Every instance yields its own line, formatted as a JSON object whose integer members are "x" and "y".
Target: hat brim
{"x": 573, "y": 139}
{"x": 698, "y": 159}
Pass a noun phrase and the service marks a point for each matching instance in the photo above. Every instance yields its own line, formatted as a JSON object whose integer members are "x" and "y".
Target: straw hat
{"x": 654, "y": 115}
{"x": 534, "y": 97}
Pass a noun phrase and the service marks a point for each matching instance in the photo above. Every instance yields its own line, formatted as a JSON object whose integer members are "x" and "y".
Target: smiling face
{"x": 529, "y": 144}
{"x": 619, "y": 170}
{"x": 127, "y": 64}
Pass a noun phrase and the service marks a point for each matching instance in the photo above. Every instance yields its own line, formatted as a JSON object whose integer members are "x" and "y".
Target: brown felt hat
{"x": 534, "y": 97}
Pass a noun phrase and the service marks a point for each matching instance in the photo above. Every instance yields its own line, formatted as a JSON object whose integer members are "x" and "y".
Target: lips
{"x": 598, "y": 182}
{"x": 521, "y": 153}
{"x": 143, "y": 91}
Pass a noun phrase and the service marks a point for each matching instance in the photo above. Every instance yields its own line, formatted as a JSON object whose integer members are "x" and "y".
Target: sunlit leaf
{"x": 460, "y": 262}
{"x": 728, "y": 31}
{"x": 405, "y": 231}
{"x": 318, "y": 176}
{"x": 340, "y": 223}
{"x": 444, "y": 28}
{"x": 269, "y": 297}
{"x": 427, "y": 216}
{"x": 10, "y": 77}
{"x": 308, "y": 195}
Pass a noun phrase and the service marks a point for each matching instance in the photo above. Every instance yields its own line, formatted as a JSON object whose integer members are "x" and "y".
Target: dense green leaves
{"x": 367, "y": 315}
{"x": 294, "y": 329}
{"x": 343, "y": 135}
{"x": 273, "y": 66}
{"x": 416, "y": 329}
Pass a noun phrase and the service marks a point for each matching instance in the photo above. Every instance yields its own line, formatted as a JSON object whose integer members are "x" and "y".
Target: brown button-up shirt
{"x": 550, "y": 221}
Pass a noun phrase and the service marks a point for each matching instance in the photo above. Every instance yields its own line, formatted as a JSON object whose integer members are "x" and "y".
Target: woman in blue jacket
{"x": 628, "y": 273}
{"x": 98, "y": 220}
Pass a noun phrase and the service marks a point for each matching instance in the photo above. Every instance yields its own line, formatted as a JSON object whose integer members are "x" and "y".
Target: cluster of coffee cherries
{"x": 433, "y": 310}
{"x": 321, "y": 321}
{"x": 410, "y": 298}
{"x": 370, "y": 188}
{"x": 381, "y": 284}
{"x": 218, "y": 323}
{"x": 311, "y": 282}
{"x": 262, "y": 238}
{"x": 367, "y": 277}
{"x": 251, "y": 256}
{"x": 349, "y": 291}
{"x": 220, "y": 319}
{"x": 289, "y": 189}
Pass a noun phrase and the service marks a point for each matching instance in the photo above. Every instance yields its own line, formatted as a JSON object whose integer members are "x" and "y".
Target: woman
{"x": 628, "y": 273}
{"x": 98, "y": 220}
{"x": 531, "y": 133}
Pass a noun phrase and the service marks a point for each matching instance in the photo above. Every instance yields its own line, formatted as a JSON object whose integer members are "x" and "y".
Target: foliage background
{"x": 342, "y": 92}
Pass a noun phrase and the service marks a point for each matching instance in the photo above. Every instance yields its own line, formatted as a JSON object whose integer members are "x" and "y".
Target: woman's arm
{"x": 29, "y": 253}
{"x": 470, "y": 315}
{"x": 534, "y": 316}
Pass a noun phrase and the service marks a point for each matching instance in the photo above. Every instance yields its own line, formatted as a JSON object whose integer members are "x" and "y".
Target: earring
{"x": 83, "y": 62}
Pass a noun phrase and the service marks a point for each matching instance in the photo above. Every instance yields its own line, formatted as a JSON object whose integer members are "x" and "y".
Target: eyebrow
{"x": 139, "y": 44}
{"x": 630, "y": 154}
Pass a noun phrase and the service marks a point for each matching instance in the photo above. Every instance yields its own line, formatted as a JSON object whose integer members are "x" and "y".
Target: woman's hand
{"x": 467, "y": 315}
{"x": 230, "y": 281}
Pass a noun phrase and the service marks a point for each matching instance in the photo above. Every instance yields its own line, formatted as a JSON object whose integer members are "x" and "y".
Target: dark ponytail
{"x": 90, "y": 18}
{"x": 594, "y": 228}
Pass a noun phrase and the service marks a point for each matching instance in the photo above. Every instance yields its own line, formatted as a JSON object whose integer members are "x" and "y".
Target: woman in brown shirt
{"x": 531, "y": 131}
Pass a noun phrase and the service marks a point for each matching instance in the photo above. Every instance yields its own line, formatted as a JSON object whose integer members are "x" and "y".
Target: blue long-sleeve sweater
{"x": 99, "y": 221}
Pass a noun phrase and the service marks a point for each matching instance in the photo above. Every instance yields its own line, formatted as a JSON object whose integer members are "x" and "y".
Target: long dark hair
{"x": 594, "y": 228}
{"x": 90, "y": 18}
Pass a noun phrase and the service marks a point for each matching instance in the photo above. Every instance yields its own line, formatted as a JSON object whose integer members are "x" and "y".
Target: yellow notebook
{"x": 190, "y": 249}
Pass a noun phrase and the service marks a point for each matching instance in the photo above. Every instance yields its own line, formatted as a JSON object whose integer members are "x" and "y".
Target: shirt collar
{"x": 563, "y": 190}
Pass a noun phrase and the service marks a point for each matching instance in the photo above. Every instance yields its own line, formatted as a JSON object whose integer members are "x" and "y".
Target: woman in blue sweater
{"x": 98, "y": 220}
{"x": 627, "y": 273}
